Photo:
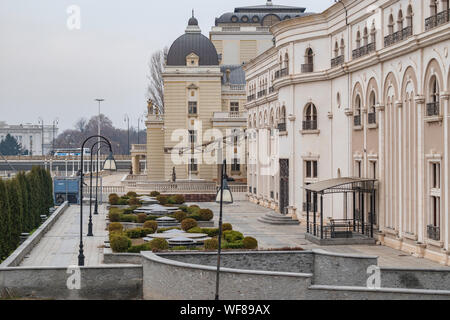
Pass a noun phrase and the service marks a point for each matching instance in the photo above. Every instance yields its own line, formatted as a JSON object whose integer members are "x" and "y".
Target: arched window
{"x": 358, "y": 40}
{"x": 357, "y": 116}
{"x": 336, "y": 50}
{"x": 445, "y": 5}
{"x": 282, "y": 122}
{"x": 366, "y": 36}
{"x": 433, "y": 98}
{"x": 309, "y": 61}
{"x": 286, "y": 62}
{"x": 391, "y": 25}
{"x": 310, "y": 117}
{"x": 433, "y": 7}
{"x": 270, "y": 20}
{"x": 372, "y": 109}
{"x": 342, "y": 47}
{"x": 400, "y": 20}
{"x": 373, "y": 33}
{"x": 409, "y": 17}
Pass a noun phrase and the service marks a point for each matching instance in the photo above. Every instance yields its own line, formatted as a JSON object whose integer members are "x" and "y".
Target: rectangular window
{"x": 192, "y": 136}
{"x": 311, "y": 169}
{"x": 358, "y": 169}
{"x": 436, "y": 175}
{"x": 193, "y": 166}
{"x": 234, "y": 107}
{"x": 192, "y": 107}
{"x": 235, "y": 166}
{"x": 374, "y": 170}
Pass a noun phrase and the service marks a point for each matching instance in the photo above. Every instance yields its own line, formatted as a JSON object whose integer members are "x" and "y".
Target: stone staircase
{"x": 278, "y": 219}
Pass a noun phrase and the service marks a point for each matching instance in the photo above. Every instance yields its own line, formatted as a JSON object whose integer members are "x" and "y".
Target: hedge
{"x": 23, "y": 200}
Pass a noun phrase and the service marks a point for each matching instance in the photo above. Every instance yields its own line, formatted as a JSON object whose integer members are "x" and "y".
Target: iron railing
{"x": 398, "y": 36}
{"x": 310, "y": 125}
{"x": 372, "y": 118}
{"x": 357, "y": 120}
{"x": 308, "y": 67}
{"x": 282, "y": 127}
{"x": 251, "y": 97}
{"x": 437, "y": 20}
{"x": 434, "y": 233}
{"x": 432, "y": 109}
{"x": 271, "y": 89}
{"x": 281, "y": 73}
{"x": 337, "y": 61}
{"x": 364, "y": 50}
{"x": 312, "y": 207}
{"x": 262, "y": 93}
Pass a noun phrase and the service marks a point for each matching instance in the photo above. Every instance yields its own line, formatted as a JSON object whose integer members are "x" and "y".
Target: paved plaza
{"x": 59, "y": 247}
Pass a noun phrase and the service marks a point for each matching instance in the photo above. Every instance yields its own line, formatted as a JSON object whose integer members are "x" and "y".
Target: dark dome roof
{"x": 192, "y": 43}
{"x": 193, "y": 22}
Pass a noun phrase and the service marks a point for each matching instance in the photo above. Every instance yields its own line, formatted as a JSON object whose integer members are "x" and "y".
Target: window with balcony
{"x": 403, "y": 31}
{"x": 310, "y": 118}
{"x": 363, "y": 49}
{"x": 433, "y": 108}
{"x": 437, "y": 18}
{"x": 192, "y": 136}
{"x": 282, "y": 122}
{"x": 434, "y": 232}
{"x": 338, "y": 58}
{"x": 192, "y": 108}
{"x": 309, "y": 59}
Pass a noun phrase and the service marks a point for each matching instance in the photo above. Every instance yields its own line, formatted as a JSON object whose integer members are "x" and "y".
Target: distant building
{"x": 30, "y": 136}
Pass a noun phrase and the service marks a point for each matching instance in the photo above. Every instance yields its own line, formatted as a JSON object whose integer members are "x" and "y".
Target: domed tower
{"x": 192, "y": 94}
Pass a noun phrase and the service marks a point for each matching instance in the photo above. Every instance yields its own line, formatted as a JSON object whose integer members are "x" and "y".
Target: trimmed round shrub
{"x": 129, "y": 210}
{"x": 211, "y": 244}
{"x": 193, "y": 209}
{"x": 134, "y": 233}
{"x": 195, "y": 216}
{"x": 159, "y": 244}
{"x": 151, "y": 225}
{"x": 250, "y": 243}
{"x": 161, "y": 230}
{"x": 206, "y": 214}
{"x": 180, "y": 215}
{"x": 114, "y": 216}
{"x": 178, "y": 199}
{"x": 163, "y": 200}
{"x": 120, "y": 243}
{"x": 122, "y": 202}
{"x": 211, "y": 232}
{"x": 131, "y": 194}
{"x": 233, "y": 245}
{"x": 134, "y": 202}
{"x": 115, "y": 227}
{"x": 233, "y": 236}
{"x": 227, "y": 227}
{"x": 183, "y": 208}
{"x": 139, "y": 248}
{"x": 152, "y": 218}
{"x": 128, "y": 218}
{"x": 113, "y": 199}
{"x": 141, "y": 218}
{"x": 188, "y": 224}
{"x": 154, "y": 194}
{"x": 195, "y": 230}
{"x": 145, "y": 232}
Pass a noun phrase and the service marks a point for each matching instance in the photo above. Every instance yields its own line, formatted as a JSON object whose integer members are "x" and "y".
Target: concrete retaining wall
{"x": 432, "y": 279}
{"x": 25, "y": 248}
{"x": 97, "y": 283}
{"x": 172, "y": 280}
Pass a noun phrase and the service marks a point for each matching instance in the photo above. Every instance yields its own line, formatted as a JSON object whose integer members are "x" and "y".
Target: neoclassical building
{"x": 360, "y": 90}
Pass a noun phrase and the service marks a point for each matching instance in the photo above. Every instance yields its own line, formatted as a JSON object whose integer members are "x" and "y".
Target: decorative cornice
{"x": 398, "y": 104}
{"x": 420, "y": 99}
{"x": 445, "y": 95}
{"x": 380, "y": 107}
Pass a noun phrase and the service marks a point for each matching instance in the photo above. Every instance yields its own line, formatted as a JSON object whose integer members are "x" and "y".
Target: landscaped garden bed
{"x": 133, "y": 229}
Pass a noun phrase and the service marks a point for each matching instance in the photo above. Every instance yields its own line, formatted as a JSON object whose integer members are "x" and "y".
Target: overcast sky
{"x": 48, "y": 71}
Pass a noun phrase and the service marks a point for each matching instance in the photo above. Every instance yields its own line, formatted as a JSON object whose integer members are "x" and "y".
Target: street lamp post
{"x": 41, "y": 122}
{"x": 109, "y": 165}
{"x": 223, "y": 196}
{"x": 55, "y": 123}
{"x": 99, "y": 144}
{"x": 127, "y": 120}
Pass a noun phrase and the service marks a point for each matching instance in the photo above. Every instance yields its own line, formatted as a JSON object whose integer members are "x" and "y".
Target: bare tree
{"x": 155, "y": 90}
{"x": 81, "y": 125}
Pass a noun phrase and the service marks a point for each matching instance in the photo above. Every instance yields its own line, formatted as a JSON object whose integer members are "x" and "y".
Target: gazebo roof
{"x": 340, "y": 185}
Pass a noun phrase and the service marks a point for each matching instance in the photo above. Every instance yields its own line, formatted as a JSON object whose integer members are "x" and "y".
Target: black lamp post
{"x": 223, "y": 196}
{"x": 99, "y": 144}
{"x": 109, "y": 165}
{"x": 106, "y": 166}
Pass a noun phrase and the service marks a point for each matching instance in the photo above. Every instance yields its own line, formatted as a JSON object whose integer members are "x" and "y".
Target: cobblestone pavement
{"x": 60, "y": 246}
{"x": 243, "y": 216}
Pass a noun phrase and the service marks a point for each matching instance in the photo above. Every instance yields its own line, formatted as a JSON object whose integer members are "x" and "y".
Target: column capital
{"x": 348, "y": 112}
{"x": 399, "y": 104}
{"x": 445, "y": 95}
{"x": 380, "y": 107}
{"x": 292, "y": 117}
{"x": 420, "y": 99}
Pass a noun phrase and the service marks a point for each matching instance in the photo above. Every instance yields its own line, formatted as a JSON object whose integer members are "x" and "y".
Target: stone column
{"x": 381, "y": 164}
{"x": 420, "y": 102}
{"x": 399, "y": 106}
{"x": 445, "y": 103}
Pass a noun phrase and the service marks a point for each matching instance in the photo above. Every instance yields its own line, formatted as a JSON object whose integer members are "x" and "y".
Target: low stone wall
{"x": 172, "y": 280}
{"x": 122, "y": 282}
{"x": 121, "y": 258}
{"x": 131, "y": 225}
{"x": 25, "y": 248}
{"x": 431, "y": 279}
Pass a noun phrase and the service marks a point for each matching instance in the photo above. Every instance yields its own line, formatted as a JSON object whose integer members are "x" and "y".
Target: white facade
{"x": 30, "y": 137}
{"x": 363, "y": 94}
